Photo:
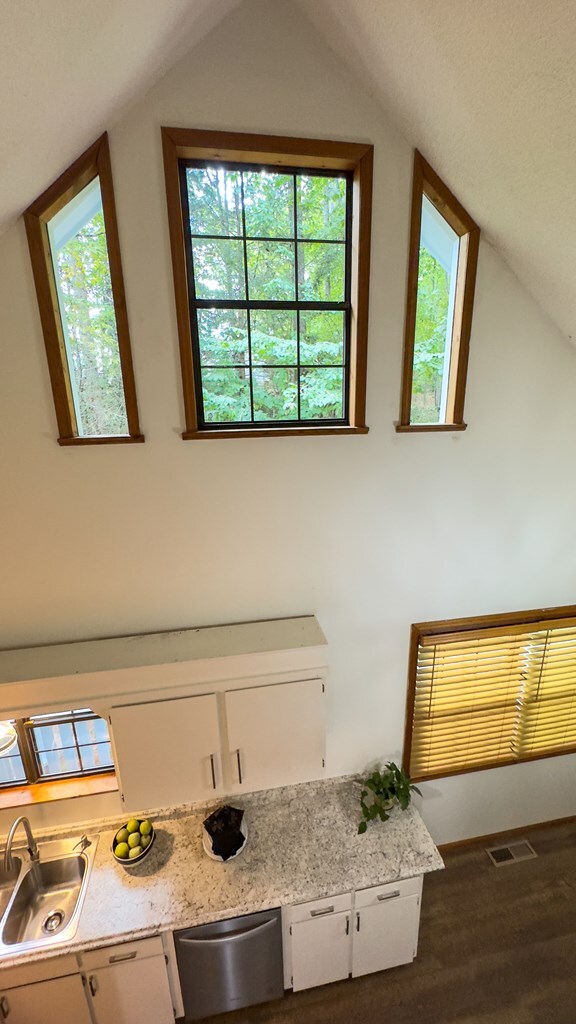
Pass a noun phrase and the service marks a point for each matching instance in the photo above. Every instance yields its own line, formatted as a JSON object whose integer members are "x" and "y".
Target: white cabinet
{"x": 373, "y": 930}
{"x": 128, "y": 983}
{"x": 46, "y": 1002}
{"x": 171, "y": 751}
{"x": 276, "y": 734}
{"x": 320, "y": 942}
{"x": 167, "y": 751}
{"x": 386, "y": 920}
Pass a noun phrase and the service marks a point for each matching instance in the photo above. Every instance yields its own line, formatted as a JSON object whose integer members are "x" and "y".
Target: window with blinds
{"x": 487, "y": 692}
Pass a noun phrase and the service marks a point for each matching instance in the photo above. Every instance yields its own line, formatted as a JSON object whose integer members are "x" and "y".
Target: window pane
{"x": 273, "y": 336}
{"x": 275, "y": 394}
{"x": 97, "y": 755}
{"x": 59, "y": 762}
{"x": 321, "y": 207}
{"x": 269, "y": 204}
{"x": 321, "y": 337}
{"x": 271, "y": 271}
{"x": 226, "y": 395}
{"x": 437, "y": 265}
{"x": 11, "y": 769}
{"x": 50, "y": 737}
{"x": 219, "y": 269}
{"x": 80, "y": 260}
{"x": 95, "y": 730}
{"x": 322, "y": 394}
{"x": 321, "y": 270}
{"x": 214, "y": 201}
{"x": 223, "y": 337}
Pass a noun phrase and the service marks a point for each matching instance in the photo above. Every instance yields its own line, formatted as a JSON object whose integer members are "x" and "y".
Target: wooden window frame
{"x": 499, "y": 623}
{"x": 427, "y": 183}
{"x": 30, "y": 757}
{"x": 94, "y": 163}
{"x": 193, "y": 144}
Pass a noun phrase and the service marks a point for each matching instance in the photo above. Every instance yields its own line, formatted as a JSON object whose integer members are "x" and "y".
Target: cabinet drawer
{"x": 320, "y": 908}
{"x": 124, "y": 952}
{"x": 392, "y": 890}
{"x": 29, "y": 974}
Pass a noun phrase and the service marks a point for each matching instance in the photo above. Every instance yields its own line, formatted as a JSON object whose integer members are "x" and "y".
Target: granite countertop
{"x": 302, "y": 845}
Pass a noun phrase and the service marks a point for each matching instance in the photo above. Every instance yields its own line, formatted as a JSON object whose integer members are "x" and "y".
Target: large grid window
{"x": 270, "y": 246}
{"x": 69, "y": 744}
{"x": 487, "y": 692}
{"x": 269, "y": 270}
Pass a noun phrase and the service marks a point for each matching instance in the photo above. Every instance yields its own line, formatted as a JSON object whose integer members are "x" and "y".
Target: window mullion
{"x": 27, "y": 751}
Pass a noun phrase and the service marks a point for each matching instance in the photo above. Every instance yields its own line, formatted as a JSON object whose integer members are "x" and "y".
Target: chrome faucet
{"x": 32, "y": 846}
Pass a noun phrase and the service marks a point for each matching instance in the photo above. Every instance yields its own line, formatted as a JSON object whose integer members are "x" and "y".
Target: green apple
{"x": 122, "y": 851}
{"x": 145, "y": 828}
{"x": 122, "y": 836}
{"x": 145, "y": 841}
{"x": 133, "y": 825}
{"x": 134, "y": 840}
{"x": 135, "y": 852}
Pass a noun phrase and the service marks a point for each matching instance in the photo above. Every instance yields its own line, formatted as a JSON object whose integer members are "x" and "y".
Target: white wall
{"x": 371, "y": 533}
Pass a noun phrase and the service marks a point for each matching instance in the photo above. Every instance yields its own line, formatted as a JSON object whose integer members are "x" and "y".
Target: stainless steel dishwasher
{"x": 230, "y": 964}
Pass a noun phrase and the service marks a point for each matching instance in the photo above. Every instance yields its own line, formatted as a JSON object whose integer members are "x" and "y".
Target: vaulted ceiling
{"x": 487, "y": 91}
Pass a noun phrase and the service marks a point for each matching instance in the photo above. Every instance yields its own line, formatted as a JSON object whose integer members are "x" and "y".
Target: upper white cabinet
{"x": 191, "y": 748}
{"x": 276, "y": 734}
{"x": 167, "y": 751}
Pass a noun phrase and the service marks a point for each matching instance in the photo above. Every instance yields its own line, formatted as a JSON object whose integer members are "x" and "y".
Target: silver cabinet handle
{"x": 213, "y": 769}
{"x": 239, "y": 766}
{"x": 4, "y": 1008}
{"x": 347, "y": 925}
{"x": 93, "y": 984}
{"x": 322, "y": 911}
{"x": 388, "y": 895}
{"x": 120, "y": 957}
{"x": 357, "y": 922}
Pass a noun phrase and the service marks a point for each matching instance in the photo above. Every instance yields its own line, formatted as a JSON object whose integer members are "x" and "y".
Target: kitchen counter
{"x": 302, "y": 845}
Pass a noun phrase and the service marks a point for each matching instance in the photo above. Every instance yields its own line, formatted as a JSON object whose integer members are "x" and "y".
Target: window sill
{"x": 70, "y": 442}
{"x": 421, "y": 428}
{"x": 202, "y": 435}
{"x": 59, "y": 789}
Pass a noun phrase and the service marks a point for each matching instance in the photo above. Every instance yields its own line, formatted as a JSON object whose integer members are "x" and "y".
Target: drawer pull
{"x": 321, "y": 911}
{"x": 388, "y": 895}
{"x": 123, "y": 956}
{"x": 4, "y": 1008}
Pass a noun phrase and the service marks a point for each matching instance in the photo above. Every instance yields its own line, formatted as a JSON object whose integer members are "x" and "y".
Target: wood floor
{"x": 497, "y": 946}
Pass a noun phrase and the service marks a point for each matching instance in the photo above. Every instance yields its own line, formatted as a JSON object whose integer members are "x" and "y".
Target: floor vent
{"x": 500, "y": 855}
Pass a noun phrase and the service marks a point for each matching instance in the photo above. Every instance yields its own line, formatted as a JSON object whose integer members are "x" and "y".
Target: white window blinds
{"x": 494, "y": 696}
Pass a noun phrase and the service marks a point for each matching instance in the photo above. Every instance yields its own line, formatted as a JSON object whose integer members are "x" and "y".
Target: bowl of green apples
{"x": 133, "y": 841}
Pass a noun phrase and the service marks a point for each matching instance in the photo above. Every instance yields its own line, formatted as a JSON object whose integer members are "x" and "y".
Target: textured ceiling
{"x": 487, "y": 91}
{"x": 68, "y": 68}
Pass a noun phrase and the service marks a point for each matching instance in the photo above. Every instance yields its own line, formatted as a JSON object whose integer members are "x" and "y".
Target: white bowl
{"x": 207, "y": 844}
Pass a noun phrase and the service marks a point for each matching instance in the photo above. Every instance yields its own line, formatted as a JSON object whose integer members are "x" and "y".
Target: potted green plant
{"x": 383, "y": 788}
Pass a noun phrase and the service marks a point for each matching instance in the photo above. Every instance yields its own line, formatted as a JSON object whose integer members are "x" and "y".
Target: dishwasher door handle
{"x": 243, "y": 933}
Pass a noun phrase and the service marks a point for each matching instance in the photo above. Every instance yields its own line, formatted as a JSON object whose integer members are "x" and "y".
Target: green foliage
{"x": 385, "y": 787}
{"x": 430, "y": 338}
{"x": 276, "y": 342}
{"x": 84, "y": 277}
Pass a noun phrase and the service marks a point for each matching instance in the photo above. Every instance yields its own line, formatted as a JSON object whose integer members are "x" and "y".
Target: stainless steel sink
{"x": 8, "y": 881}
{"x": 45, "y": 904}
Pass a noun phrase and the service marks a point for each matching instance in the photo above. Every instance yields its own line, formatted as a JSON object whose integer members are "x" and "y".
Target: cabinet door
{"x": 385, "y": 935}
{"x": 46, "y": 1002}
{"x": 167, "y": 751}
{"x": 131, "y": 993}
{"x": 320, "y": 951}
{"x": 276, "y": 734}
